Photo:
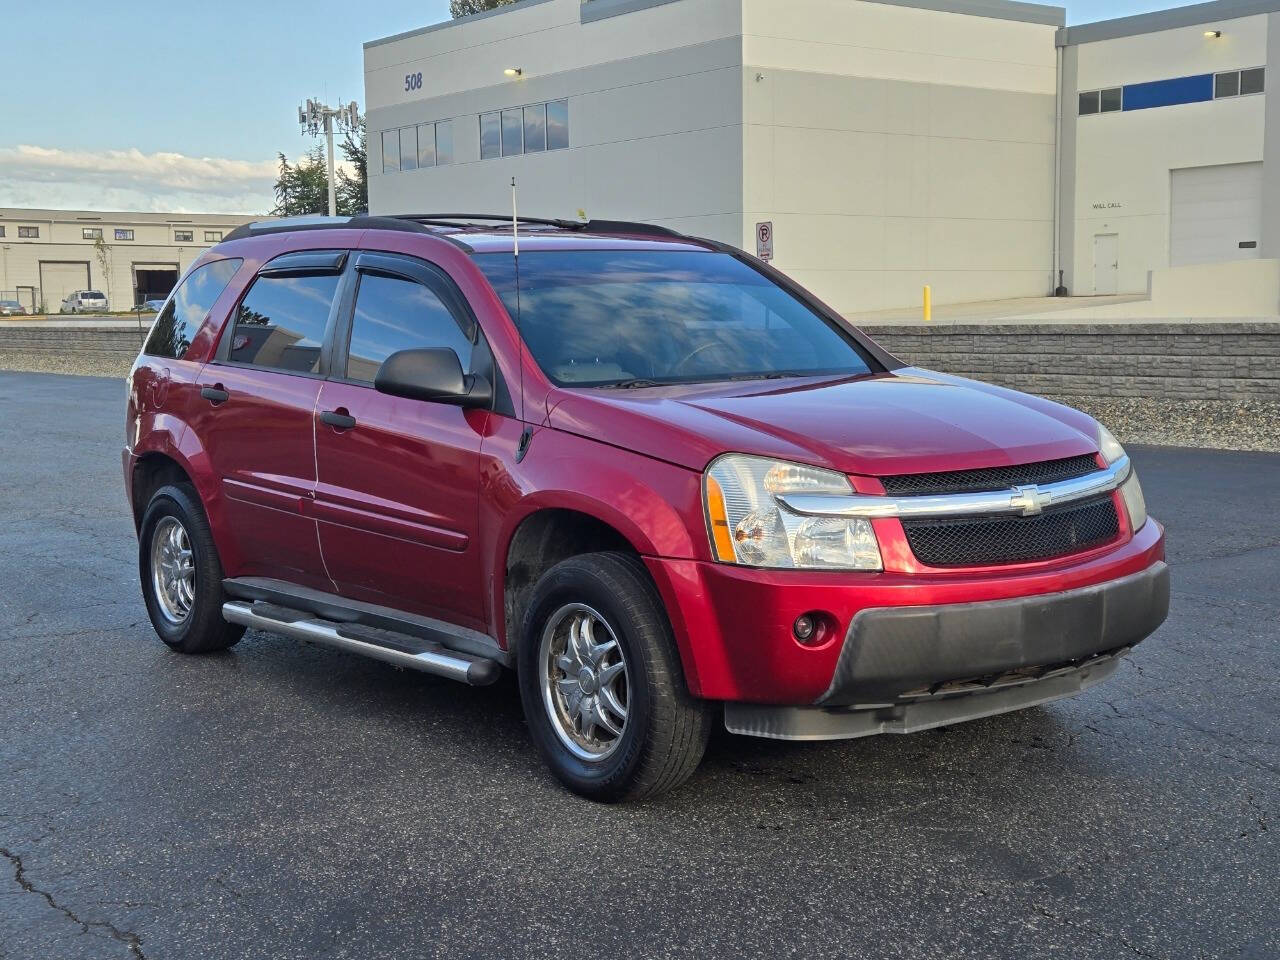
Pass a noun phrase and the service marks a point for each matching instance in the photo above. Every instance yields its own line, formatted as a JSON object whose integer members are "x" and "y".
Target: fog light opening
{"x": 804, "y": 628}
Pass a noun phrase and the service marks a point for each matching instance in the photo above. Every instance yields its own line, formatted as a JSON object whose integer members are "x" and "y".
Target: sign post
{"x": 764, "y": 240}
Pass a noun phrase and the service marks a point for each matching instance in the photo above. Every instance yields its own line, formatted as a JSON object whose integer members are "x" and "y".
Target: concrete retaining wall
{"x": 1192, "y": 361}
{"x": 73, "y": 340}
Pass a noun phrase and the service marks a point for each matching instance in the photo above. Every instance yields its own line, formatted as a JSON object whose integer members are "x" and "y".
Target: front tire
{"x": 181, "y": 574}
{"x": 601, "y": 682}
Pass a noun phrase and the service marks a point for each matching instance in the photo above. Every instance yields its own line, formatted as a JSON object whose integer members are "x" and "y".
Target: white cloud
{"x": 32, "y": 176}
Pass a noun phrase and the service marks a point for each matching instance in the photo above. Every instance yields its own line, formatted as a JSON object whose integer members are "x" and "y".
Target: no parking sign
{"x": 764, "y": 240}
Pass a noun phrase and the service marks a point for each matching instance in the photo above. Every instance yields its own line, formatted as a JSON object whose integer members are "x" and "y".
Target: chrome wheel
{"x": 173, "y": 570}
{"x": 583, "y": 676}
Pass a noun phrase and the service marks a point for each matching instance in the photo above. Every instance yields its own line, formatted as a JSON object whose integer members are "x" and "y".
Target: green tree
{"x": 302, "y": 189}
{"x": 353, "y": 191}
{"x": 465, "y": 8}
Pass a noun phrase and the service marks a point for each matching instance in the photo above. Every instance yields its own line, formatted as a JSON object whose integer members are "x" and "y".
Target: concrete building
{"x": 974, "y": 145}
{"x": 891, "y": 144}
{"x": 1170, "y": 147}
{"x": 47, "y": 254}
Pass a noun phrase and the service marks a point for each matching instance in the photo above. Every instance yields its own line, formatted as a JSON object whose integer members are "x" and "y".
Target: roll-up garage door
{"x": 59, "y": 278}
{"x": 1216, "y": 214}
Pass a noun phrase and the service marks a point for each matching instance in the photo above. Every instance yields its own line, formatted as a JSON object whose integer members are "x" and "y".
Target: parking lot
{"x": 289, "y": 801}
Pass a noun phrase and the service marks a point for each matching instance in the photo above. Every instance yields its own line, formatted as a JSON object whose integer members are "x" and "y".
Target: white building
{"x": 47, "y": 254}
{"x": 891, "y": 143}
{"x": 1170, "y": 150}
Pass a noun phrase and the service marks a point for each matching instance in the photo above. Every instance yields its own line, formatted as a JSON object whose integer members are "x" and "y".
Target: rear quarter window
{"x": 178, "y": 322}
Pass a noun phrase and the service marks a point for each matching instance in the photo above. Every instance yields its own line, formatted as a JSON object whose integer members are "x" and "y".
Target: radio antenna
{"x": 527, "y": 434}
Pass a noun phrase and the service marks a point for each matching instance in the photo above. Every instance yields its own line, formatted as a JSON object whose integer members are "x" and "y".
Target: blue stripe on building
{"x": 1167, "y": 93}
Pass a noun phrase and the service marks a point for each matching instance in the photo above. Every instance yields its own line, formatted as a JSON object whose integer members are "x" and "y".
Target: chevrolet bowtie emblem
{"x": 1030, "y": 501}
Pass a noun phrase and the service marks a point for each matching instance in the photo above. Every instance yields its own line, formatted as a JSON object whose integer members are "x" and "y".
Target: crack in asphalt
{"x": 131, "y": 940}
{"x": 1100, "y": 934}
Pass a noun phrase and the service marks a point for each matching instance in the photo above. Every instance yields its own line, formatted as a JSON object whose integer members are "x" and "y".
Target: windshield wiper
{"x": 632, "y": 384}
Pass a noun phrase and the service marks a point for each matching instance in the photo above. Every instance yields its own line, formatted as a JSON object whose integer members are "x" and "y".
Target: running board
{"x": 401, "y": 650}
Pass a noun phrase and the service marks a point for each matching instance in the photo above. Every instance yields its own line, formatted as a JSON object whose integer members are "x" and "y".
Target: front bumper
{"x": 910, "y": 669}
{"x": 889, "y": 653}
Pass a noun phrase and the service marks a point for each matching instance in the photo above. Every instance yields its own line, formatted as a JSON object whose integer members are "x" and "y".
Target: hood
{"x": 906, "y": 421}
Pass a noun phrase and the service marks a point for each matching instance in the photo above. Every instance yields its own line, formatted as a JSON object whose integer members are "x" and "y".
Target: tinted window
{"x": 601, "y": 317}
{"x": 393, "y": 314}
{"x": 1253, "y": 81}
{"x": 173, "y": 330}
{"x": 1227, "y": 85}
{"x": 1112, "y": 100}
{"x": 281, "y": 322}
{"x": 409, "y": 148}
{"x": 490, "y": 136}
{"x": 1088, "y": 103}
{"x": 558, "y": 125}
{"x": 535, "y": 128}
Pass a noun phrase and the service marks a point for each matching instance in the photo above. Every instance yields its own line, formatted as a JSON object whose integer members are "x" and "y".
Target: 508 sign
{"x": 413, "y": 81}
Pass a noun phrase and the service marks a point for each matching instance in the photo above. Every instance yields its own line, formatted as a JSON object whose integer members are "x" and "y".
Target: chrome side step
{"x": 400, "y": 650}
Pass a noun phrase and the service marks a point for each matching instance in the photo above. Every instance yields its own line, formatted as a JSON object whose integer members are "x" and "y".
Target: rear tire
{"x": 181, "y": 574}
{"x": 601, "y": 682}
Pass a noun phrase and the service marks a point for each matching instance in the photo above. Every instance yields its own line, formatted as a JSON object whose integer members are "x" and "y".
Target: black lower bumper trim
{"x": 891, "y": 651}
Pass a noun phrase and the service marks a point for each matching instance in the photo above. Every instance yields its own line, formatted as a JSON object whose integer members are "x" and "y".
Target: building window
{"x": 413, "y": 148}
{"x": 490, "y": 136}
{"x": 558, "y": 125}
{"x": 1239, "y": 83}
{"x": 91, "y": 233}
{"x": 183, "y": 236}
{"x": 28, "y": 233}
{"x": 444, "y": 142}
{"x": 531, "y": 129}
{"x": 213, "y": 236}
{"x": 122, "y": 234}
{"x": 390, "y": 151}
{"x": 1, "y": 231}
{"x": 1110, "y": 100}
{"x": 535, "y": 128}
{"x": 426, "y": 145}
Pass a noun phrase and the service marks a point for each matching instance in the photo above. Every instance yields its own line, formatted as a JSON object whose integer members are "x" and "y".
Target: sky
{"x": 183, "y": 107}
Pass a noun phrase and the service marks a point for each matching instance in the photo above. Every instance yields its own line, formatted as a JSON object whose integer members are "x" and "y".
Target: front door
{"x": 398, "y": 491}
{"x": 1106, "y": 264}
{"x": 256, "y": 403}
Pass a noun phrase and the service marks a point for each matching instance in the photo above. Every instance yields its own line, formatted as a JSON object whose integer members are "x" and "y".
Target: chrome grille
{"x": 994, "y": 541}
{"x": 993, "y": 478}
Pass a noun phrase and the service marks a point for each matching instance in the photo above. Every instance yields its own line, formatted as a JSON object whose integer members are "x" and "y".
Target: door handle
{"x": 215, "y": 394}
{"x": 338, "y": 419}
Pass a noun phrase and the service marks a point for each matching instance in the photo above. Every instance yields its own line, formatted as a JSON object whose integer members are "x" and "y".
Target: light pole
{"x": 313, "y": 117}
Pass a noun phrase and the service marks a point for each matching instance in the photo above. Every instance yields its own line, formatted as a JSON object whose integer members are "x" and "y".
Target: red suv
{"x": 649, "y": 473}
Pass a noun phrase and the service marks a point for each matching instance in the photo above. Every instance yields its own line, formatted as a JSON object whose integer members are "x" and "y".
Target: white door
{"x": 59, "y": 279}
{"x": 1216, "y": 214}
{"x": 1106, "y": 264}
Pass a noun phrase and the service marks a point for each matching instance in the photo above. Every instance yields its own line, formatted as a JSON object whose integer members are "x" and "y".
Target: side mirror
{"x": 434, "y": 375}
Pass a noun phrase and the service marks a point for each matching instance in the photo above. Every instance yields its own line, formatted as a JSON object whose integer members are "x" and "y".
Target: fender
{"x": 651, "y": 504}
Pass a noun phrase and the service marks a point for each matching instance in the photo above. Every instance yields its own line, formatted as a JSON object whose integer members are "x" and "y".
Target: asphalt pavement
{"x": 286, "y": 801}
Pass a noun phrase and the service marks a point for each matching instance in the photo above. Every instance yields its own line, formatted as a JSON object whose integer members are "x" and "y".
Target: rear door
{"x": 256, "y": 402}
{"x": 398, "y": 479}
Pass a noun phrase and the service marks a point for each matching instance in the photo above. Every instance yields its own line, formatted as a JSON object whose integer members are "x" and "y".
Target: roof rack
{"x": 580, "y": 226}
{"x": 421, "y": 222}
{"x": 291, "y": 224}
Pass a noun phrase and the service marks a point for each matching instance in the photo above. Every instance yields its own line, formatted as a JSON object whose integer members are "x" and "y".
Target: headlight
{"x": 749, "y": 526}
{"x": 1131, "y": 489}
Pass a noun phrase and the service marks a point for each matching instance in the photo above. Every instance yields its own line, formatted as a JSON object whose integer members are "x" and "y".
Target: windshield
{"x": 636, "y": 318}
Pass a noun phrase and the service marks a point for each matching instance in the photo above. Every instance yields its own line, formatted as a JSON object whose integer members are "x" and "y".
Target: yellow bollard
{"x": 928, "y": 304}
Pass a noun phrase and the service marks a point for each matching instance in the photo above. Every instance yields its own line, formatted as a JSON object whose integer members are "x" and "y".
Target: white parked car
{"x": 84, "y": 301}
